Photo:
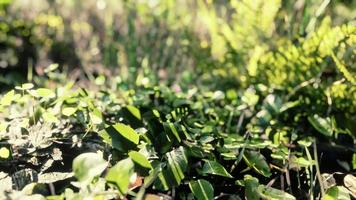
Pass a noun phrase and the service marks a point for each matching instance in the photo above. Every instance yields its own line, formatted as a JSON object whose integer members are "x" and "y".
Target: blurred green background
{"x": 218, "y": 44}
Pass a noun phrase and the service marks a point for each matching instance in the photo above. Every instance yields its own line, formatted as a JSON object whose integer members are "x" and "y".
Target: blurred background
{"x": 219, "y": 44}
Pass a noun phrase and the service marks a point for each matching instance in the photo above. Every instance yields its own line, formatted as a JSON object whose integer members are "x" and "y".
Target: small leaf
{"x": 45, "y": 93}
{"x": 100, "y": 80}
{"x": 7, "y": 98}
{"x": 140, "y": 159}
{"x": 272, "y": 193}
{"x": 215, "y": 168}
{"x": 127, "y": 132}
{"x": 4, "y": 153}
{"x": 51, "y": 68}
{"x": 323, "y": 125}
{"x": 86, "y": 166}
{"x": 120, "y": 174}
{"x": 96, "y": 117}
{"x": 202, "y": 189}
{"x": 49, "y": 117}
{"x": 258, "y": 162}
{"x": 336, "y": 192}
{"x": 25, "y": 86}
{"x": 68, "y": 111}
{"x": 134, "y": 111}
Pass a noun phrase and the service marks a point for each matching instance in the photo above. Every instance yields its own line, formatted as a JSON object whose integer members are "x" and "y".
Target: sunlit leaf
{"x": 45, "y": 93}
{"x": 86, "y": 166}
{"x": 215, "y": 168}
{"x": 120, "y": 136}
{"x": 134, "y": 111}
{"x": 140, "y": 159}
{"x": 120, "y": 174}
{"x": 25, "y": 86}
{"x": 7, "y": 98}
{"x": 323, "y": 125}
{"x": 51, "y": 68}
{"x": 68, "y": 111}
{"x": 350, "y": 184}
{"x": 337, "y": 192}
{"x": 4, "y": 152}
{"x": 49, "y": 117}
{"x": 96, "y": 117}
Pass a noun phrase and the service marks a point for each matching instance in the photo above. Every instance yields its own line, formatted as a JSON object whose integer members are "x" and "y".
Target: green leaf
{"x": 100, "y": 80}
{"x": 25, "y": 86}
{"x": 337, "y": 192}
{"x": 257, "y": 161}
{"x": 354, "y": 161}
{"x": 68, "y": 111}
{"x": 45, "y": 93}
{"x": 120, "y": 174}
{"x": 51, "y": 68}
{"x": 171, "y": 129}
{"x": 86, "y": 166}
{"x": 120, "y": 136}
{"x": 140, "y": 159}
{"x": 272, "y": 193}
{"x": 215, "y": 168}
{"x": 127, "y": 132}
{"x": 134, "y": 111}
{"x": 251, "y": 185}
{"x": 4, "y": 153}
{"x": 202, "y": 189}
{"x": 323, "y": 125}
{"x": 96, "y": 117}
{"x": 7, "y": 98}
{"x": 49, "y": 117}
{"x": 174, "y": 173}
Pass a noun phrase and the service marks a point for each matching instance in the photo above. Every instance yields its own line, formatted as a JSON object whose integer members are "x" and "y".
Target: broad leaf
{"x": 323, "y": 125}
{"x": 258, "y": 162}
{"x": 120, "y": 137}
{"x": 140, "y": 159}
{"x": 215, "y": 168}
{"x": 173, "y": 174}
{"x": 202, "y": 189}
{"x": 120, "y": 174}
{"x": 86, "y": 166}
{"x": 251, "y": 185}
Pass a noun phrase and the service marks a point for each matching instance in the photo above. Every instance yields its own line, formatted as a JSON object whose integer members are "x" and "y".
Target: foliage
{"x": 214, "y": 99}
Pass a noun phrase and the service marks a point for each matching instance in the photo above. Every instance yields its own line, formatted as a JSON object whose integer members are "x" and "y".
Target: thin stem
{"x": 320, "y": 178}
